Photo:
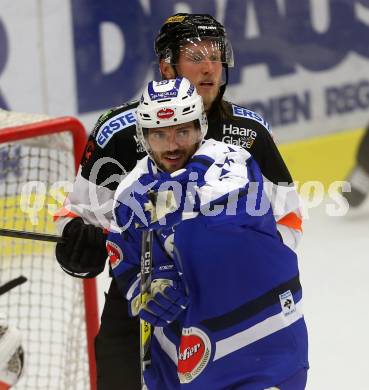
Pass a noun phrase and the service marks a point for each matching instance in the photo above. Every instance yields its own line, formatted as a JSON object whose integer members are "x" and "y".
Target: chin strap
{"x": 222, "y": 89}
{"x": 224, "y": 86}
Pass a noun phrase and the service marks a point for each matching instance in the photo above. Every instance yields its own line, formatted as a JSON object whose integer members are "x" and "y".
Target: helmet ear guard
{"x": 169, "y": 103}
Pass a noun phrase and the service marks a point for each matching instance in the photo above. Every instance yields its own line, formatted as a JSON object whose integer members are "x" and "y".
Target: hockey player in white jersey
{"x": 225, "y": 296}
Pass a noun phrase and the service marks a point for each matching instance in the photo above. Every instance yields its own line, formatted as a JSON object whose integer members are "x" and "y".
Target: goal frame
{"x": 73, "y": 126}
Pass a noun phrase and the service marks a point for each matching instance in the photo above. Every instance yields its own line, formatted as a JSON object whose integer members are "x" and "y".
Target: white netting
{"x": 49, "y": 308}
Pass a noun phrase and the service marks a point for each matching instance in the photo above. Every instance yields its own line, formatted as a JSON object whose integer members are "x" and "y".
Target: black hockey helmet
{"x": 182, "y": 28}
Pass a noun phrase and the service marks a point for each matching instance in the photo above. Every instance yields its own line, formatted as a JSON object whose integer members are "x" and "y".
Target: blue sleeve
{"x": 247, "y": 205}
{"x": 124, "y": 250}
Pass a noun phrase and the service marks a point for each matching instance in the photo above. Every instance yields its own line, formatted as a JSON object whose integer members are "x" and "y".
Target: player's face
{"x": 173, "y": 146}
{"x": 201, "y": 63}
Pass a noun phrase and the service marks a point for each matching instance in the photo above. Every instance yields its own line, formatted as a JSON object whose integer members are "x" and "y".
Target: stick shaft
{"x": 13, "y": 283}
{"x": 145, "y": 327}
{"x": 30, "y": 235}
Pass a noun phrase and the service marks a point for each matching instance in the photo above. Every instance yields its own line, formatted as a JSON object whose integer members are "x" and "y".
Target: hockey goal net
{"x": 57, "y": 314}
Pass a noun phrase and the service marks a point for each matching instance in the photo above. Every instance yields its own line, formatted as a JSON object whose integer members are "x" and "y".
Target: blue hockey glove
{"x": 166, "y": 301}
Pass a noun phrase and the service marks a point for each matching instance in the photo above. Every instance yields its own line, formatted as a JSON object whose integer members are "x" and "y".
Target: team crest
{"x": 287, "y": 303}
{"x": 90, "y": 148}
{"x": 115, "y": 254}
{"x": 193, "y": 355}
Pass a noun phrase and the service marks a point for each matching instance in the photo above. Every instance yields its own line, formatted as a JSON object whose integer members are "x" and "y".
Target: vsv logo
{"x": 285, "y": 40}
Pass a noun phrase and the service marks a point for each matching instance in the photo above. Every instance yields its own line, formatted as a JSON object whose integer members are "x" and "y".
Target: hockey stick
{"x": 11, "y": 284}
{"x": 145, "y": 327}
{"x": 30, "y": 235}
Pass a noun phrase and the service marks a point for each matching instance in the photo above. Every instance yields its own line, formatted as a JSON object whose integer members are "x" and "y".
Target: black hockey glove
{"x": 83, "y": 254}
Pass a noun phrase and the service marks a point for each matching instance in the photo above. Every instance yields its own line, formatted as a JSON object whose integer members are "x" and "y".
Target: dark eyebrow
{"x": 185, "y": 126}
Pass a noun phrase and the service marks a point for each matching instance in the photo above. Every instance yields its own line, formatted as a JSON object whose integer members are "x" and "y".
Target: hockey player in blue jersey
{"x": 225, "y": 298}
{"x": 195, "y": 46}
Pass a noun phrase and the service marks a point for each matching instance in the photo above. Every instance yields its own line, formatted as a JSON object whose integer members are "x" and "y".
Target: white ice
{"x": 334, "y": 266}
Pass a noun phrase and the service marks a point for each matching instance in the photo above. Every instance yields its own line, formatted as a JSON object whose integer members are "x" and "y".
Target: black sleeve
{"x": 102, "y": 166}
{"x": 265, "y": 152}
{"x": 112, "y": 148}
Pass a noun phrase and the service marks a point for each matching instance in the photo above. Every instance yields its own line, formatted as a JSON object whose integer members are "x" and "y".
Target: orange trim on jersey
{"x": 291, "y": 220}
{"x": 64, "y": 212}
{"x": 4, "y": 386}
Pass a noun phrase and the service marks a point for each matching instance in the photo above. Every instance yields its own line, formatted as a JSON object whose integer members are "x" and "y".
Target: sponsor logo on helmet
{"x": 190, "y": 90}
{"x": 162, "y": 82}
{"x": 206, "y": 27}
{"x": 193, "y": 355}
{"x": 115, "y": 254}
{"x": 163, "y": 95}
{"x": 165, "y": 113}
{"x": 175, "y": 19}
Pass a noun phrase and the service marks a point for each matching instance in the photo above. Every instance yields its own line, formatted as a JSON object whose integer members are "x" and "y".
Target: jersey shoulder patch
{"x": 243, "y": 112}
{"x": 113, "y": 121}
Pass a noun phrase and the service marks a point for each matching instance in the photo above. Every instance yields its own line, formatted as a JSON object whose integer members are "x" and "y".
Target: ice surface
{"x": 334, "y": 265}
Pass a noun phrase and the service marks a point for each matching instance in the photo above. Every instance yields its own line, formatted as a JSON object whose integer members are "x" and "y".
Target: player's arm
{"x": 167, "y": 298}
{"x": 226, "y": 180}
{"x": 235, "y": 194}
{"x": 81, "y": 222}
{"x": 284, "y": 197}
{"x": 124, "y": 245}
{"x": 87, "y": 208}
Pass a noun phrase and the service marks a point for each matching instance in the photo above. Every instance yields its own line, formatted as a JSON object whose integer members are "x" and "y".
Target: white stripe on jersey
{"x": 257, "y": 332}
{"x": 239, "y": 340}
{"x": 166, "y": 345}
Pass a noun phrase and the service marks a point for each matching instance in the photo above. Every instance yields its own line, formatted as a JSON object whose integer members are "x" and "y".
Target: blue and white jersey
{"x": 244, "y": 326}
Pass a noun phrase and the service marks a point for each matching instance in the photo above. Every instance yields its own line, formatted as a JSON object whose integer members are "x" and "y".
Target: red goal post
{"x": 45, "y": 128}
